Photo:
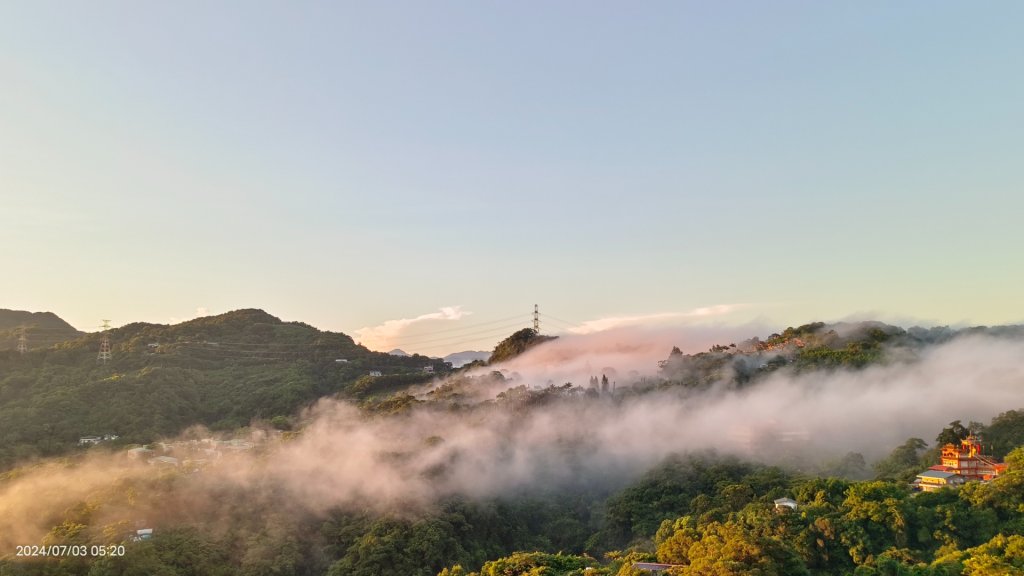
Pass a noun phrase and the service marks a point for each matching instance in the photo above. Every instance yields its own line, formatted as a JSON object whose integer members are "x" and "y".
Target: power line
{"x": 433, "y": 344}
{"x": 458, "y": 328}
{"x": 37, "y": 327}
{"x": 459, "y": 336}
{"x": 460, "y": 343}
{"x": 242, "y": 344}
{"x": 566, "y": 322}
{"x": 229, "y": 351}
{"x": 268, "y": 352}
{"x": 447, "y": 348}
{"x": 239, "y": 350}
{"x": 399, "y": 340}
{"x": 560, "y": 326}
{"x": 202, "y": 355}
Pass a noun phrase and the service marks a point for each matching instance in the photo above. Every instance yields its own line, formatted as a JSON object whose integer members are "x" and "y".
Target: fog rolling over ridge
{"x": 346, "y": 458}
{"x": 821, "y": 414}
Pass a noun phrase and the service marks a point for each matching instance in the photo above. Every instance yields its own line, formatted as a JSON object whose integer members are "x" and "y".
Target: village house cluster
{"x": 189, "y": 453}
{"x": 94, "y": 440}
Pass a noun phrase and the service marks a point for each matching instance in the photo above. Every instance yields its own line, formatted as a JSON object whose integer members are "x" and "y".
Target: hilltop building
{"x": 960, "y": 464}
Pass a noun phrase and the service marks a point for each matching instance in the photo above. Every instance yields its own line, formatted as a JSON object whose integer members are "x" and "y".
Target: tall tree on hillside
{"x": 952, "y": 434}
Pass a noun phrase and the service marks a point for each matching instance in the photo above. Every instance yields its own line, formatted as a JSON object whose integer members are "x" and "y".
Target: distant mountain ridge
{"x": 459, "y": 359}
{"x": 13, "y": 319}
{"x": 41, "y": 329}
{"x": 456, "y": 359}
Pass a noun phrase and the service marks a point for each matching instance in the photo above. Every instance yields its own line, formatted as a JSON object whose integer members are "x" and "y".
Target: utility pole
{"x": 536, "y": 319}
{"x": 22, "y": 341}
{"x": 105, "y": 354}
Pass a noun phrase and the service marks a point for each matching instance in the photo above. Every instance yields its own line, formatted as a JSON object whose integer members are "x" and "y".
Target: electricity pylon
{"x": 105, "y": 354}
{"x": 22, "y": 341}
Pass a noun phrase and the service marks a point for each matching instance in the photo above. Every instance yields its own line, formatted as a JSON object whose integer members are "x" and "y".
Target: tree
{"x": 874, "y": 518}
{"x": 516, "y": 344}
{"x": 537, "y": 564}
{"x": 1005, "y": 432}
{"x": 903, "y": 462}
{"x": 1001, "y": 556}
{"x": 730, "y": 549}
{"x": 852, "y": 465}
{"x": 952, "y": 434}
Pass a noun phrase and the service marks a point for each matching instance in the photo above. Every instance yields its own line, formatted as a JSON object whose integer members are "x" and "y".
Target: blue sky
{"x": 346, "y": 164}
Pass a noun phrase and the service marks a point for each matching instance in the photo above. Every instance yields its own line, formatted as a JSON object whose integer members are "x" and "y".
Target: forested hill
{"x": 17, "y": 318}
{"x": 41, "y": 329}
{"x": 813, "y": 346}
{"x": 220, "y": 371}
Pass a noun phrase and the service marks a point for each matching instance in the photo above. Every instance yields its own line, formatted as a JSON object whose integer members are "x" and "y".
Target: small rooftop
{"x": 936, "y": 474}
{"x": 785, "y": 502}
{"x": 653, "y": 566}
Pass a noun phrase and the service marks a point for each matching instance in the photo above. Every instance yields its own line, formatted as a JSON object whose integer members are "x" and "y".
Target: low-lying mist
{"x": 343, "y": 457}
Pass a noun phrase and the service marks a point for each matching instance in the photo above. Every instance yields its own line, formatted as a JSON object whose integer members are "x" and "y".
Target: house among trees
{"x": 140, "y": 452}
{"x": 782, "y": 504}
{"x": 94, "y": 440}
{"x": 236, "y": 445}
{"x": 376, "y": 373}
{"x": 932, "y": 480}
{"x": 963, "y": 463}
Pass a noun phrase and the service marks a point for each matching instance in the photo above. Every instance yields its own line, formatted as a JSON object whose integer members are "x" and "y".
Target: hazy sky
{"x": 346, "y": 164}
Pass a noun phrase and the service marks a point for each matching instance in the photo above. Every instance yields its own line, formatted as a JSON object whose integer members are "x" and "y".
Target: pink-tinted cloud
{"x": 383, "y": 335}
{"x": 602, "y": 324}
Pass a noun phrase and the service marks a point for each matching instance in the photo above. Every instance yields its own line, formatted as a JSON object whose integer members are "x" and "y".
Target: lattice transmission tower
{"x": 105, "y": 354}
{"x": 536, "y": 319}
{"x": 22, "y": 341}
